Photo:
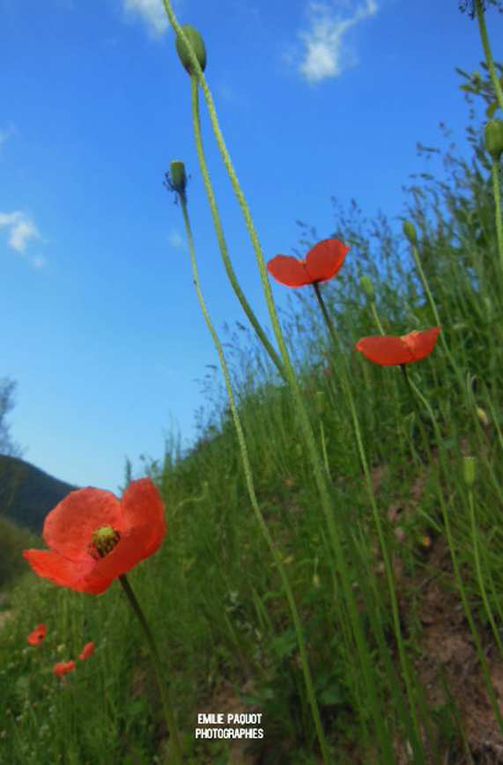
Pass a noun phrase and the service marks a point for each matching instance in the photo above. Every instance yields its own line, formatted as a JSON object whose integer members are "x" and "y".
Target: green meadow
{"x": 333, "y": 559}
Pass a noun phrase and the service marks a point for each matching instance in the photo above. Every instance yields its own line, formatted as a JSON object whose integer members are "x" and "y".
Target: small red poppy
{"x": 87, "y": 651}
{"x": 94, "y": 537}
{"x": 391, "y": 351}
{"x": 64, "y": 668}
{"x": 322, "y": 263}
{"x": 38, "y": 635}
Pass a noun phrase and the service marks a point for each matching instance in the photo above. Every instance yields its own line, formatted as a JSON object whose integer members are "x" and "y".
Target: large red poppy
{"x": 390, "y": 351}
{"x": 94, "y": 537}
{"x": 322, "y": 263}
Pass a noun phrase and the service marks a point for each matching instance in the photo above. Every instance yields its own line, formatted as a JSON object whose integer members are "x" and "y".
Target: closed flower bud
{"x": 410, "y": 231}
{"x": 482, "y": 415}
{"x": 178, "y": 177}
{"x": 494, "y": 139}
{"x": 367, "y": 287}
{"x": 469, "y": 470}
{"x": 197, "y": 45}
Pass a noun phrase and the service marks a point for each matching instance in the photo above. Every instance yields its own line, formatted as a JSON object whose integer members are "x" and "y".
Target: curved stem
{"x": 156, "y": 661}
{"x": 217, "y": 222}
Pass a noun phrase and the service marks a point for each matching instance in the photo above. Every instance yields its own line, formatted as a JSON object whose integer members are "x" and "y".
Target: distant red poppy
{"x": 322, "y": 263}
{"x": 94, "y": 537}
{"x": 64, "y": 668}
{"x": 38, "y": 635}
{"x": 391, "y": 351}
{"x": 87, "y": 651}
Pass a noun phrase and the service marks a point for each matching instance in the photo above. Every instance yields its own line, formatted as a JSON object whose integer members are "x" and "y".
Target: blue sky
{"x": 101, "y": 326}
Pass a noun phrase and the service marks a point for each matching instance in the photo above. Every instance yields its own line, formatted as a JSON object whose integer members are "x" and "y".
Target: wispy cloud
{"x": 21, "y": 232}
{"x": 325, "y": 53}
{"x": 150, "y": 11}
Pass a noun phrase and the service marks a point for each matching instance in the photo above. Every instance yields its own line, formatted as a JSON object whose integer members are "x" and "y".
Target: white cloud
{"x": 151, "y": 11}
{"x": 21, "y": 231}
{"x": 325, "y": 54}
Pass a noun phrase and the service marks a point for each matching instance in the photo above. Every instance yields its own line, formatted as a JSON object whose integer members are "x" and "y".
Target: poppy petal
{"x": 288, "y": 271}
{"x": 421, "y": 344}
{"x": 59, "y": 570}
{"x": 385, "y": 351}
{"x": 68, "y": 529}
{"x": 325, "y": 260}
{"x": 87, "y": 651}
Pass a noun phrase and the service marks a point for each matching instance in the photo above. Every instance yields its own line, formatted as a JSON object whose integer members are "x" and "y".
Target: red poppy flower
{"x": 94, "y": 537}
{"x": 87, "y": 651}
{"x": 391, "y": 351}
{"x": 38, "y": 635}
{"x": 322, "y": 263}
{"x": 64, "y": 668}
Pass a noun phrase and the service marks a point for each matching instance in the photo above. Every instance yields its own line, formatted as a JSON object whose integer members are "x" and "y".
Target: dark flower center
{"x": 104, "y": 541}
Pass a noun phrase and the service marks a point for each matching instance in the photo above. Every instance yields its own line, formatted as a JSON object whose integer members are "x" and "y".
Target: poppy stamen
{"x": 104, "y": 541}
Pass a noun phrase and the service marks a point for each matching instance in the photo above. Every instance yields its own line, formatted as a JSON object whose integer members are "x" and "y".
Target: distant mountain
{"x": 27, "y": 493}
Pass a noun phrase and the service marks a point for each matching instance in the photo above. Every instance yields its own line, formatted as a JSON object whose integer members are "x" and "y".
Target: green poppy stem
{"x": 161, "y": 681}
{"x": 487, "y": 51}
{"x": 495, "y": 172}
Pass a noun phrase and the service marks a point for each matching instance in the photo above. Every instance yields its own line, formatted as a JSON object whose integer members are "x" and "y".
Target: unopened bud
{"x": 469, "y": 470}
{"x": 410, "y": 231}
{"x": 494, "y": 139}
{"x": 367, "y": 287}
{"x": 197, "y": 45}
{"x": 483, "y": 417}
{"x": 178, "y": 177}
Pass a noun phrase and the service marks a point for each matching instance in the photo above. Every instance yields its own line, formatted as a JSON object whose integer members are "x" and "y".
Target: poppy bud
{"x": 197, "y": 45}
{"x": 178, "y": 177}
{"x": 367, "y": 287}
{"x": 410, "y": 231}
{"x": 494, "y": 139}
{"x": 469, "y": 470}
{"x": 482, "y": 415}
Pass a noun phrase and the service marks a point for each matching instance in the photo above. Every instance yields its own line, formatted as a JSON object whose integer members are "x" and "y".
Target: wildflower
{"x": 38, "y": 635}
{"x": 64, "y": 668}
{"x": 94, "y": 538}
{"x": 322, "y": 263}
{"x": 87, "y": 651}
{"x": 390, "y": 351}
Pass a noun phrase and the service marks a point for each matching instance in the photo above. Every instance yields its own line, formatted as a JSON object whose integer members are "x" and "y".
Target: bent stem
{"x": 156, "y": 660}
{"x": 217, "y": 222}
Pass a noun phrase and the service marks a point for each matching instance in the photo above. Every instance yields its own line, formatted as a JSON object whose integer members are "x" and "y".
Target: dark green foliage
{"x": 27, "y": 494}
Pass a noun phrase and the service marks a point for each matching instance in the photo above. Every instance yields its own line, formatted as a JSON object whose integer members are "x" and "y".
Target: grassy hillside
{"x": 399, "y": 589}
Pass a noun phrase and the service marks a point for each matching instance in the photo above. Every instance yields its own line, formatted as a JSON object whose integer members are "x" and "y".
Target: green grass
{"x": 215, "y": 600}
